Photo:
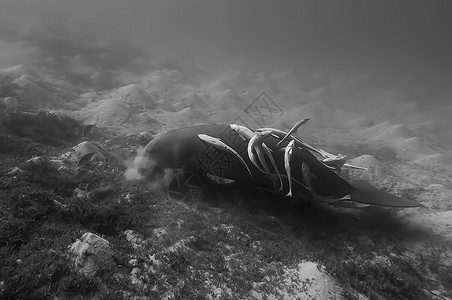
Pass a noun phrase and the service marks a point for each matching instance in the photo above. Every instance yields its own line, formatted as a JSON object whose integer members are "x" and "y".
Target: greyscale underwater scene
{"x": 225, "y": 150}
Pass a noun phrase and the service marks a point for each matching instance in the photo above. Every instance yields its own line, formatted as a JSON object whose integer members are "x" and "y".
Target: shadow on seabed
{"x": 306, "y": 217}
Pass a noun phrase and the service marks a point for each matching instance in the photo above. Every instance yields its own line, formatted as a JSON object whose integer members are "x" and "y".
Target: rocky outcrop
{"x": 92, "y": 254}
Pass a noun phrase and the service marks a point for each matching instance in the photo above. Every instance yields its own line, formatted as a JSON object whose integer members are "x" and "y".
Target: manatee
{"x": 182, "y": 149}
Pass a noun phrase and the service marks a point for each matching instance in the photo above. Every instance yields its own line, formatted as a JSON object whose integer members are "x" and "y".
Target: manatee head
{"x": 157, "y": 151}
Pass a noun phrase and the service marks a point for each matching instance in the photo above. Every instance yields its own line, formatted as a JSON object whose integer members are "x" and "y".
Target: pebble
{"x": 133, "y": 262}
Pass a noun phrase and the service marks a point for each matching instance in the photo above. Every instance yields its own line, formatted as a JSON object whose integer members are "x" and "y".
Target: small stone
{"x": 135, "y": 271}
{"x": 436, "y": 292}
{"x": 35, "y": 159}
{"x": 158, "y": 232}
{"x": 118, "y": 276}
{"x": 69, "y": 157}
{"x": 63, "y": 169}
{"x": 92, "y": 253}
{"x": 133, "y": 262}
{"x": 80, "y": 194}
{"x": 145, "y": 134}
{"x": 152, "y": 270}
{"x": 58, "y": 163}
{"x": 154, "y": 261}
{"x": 14, "y": 171}
{"x": 134, "y": 276}
{"x": 134, "y": 239}
{"x": 127, "y": 198}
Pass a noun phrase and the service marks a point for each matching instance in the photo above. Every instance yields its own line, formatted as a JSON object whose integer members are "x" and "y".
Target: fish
{"x": 332, "y": 157}
{"x": 277, "y": 133}
{"x": 268, "y": 152}
{"x": 346, "y": 165}
{"x": 329, "y": 159}
{"x": 261, "y": 156}
{"x": 293, "y": 130}
{"x": 324, "y": 153}
{"x": 256, "y": 141}
{"x": 261, "y": 153}
{"x": 287, "y": 155}
{"x": 244, "y": 132}
{"x": 220, "y": 145}
{"x": 336, "y": 162}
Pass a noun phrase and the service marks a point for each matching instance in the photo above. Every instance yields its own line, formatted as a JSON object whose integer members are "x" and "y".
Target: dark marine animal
{"x": 182, "y": 149}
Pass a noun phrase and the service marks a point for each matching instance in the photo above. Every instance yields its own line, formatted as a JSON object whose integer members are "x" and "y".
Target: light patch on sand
{"x": 305, "y": 281}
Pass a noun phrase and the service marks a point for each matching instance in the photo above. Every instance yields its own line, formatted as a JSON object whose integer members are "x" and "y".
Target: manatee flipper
{"x": 365, "y": 193}
{"x": 348, "y": 204}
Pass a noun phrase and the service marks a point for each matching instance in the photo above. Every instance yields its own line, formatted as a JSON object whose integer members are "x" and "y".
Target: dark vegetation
{"x": 40, "y": 218}
{"x": 43, "y": 127}
{"x": 11, "y": 144}
{"x": 370, "y": 255}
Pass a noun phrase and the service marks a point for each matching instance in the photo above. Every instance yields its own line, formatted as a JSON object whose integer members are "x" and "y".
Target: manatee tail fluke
{"x": 364, "y": 192}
